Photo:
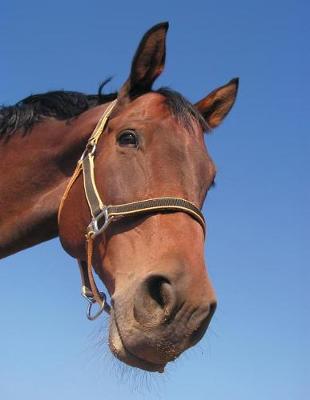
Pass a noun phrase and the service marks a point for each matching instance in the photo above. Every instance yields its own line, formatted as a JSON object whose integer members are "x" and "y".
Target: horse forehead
{"x": 148, "y": 106}
{"x": 154, "y": 108}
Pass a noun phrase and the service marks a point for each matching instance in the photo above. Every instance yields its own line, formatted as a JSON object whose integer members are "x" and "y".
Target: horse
{"x": 121, "y": 179}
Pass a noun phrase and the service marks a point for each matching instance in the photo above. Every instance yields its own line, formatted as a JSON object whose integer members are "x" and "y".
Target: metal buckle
{"x": 93, "y": 227}
{"x": 89, "y": 150}
{"x": 91, "y": 301}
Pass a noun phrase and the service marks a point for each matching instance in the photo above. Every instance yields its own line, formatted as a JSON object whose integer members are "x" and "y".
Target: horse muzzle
{"x": 159, "y": 322}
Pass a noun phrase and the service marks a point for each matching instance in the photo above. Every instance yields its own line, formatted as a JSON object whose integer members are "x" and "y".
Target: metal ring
{"x": 93, "y": 226}
{"x": 91, "y": 301}
{"x": 96, "y": 315}
{"x": 89, "y": 150}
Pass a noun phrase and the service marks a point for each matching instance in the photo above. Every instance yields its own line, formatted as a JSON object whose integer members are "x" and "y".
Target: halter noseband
{"x": 102, "y": 216}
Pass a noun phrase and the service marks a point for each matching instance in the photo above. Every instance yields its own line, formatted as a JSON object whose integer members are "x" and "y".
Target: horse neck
{"x": 35, "y": 168}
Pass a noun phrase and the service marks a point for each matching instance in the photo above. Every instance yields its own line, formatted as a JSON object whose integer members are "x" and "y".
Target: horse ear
{"x": 218, "y": 103}
{"x": 148, "y": 62}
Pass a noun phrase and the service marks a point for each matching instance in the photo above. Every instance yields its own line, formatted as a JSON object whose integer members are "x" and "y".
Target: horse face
{"x": 152, "y": 265}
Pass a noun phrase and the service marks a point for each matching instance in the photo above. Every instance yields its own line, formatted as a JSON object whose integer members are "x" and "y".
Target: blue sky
{"x": 258, "y": 215}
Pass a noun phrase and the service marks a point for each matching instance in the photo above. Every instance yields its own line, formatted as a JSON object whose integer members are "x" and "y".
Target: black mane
{"x": 64, "y": 105}
{"x": 182, "y": 109}
{"x": 60, "y": 104}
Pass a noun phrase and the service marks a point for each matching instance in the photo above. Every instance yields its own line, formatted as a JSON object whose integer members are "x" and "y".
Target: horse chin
{"x": 120, "y": 351}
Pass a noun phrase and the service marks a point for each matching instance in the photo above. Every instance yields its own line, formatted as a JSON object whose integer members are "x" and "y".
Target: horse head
{"x": 152, "y": 263}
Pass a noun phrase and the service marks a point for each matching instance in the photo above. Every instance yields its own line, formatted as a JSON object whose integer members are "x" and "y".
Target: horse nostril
{"x": 155, "y": 300}
{"x": 159, "y": 290}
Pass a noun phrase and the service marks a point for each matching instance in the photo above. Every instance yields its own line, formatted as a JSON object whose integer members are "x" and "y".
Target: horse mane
{"x": 63, "y": 105}
{"x": 59, "y": 104}
{"x": 182, "y": 109}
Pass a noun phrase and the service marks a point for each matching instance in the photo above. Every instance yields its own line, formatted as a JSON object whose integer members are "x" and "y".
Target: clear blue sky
{"x": 258, "y": 214}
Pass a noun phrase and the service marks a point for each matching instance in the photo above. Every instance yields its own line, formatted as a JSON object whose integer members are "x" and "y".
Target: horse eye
{"x": 128, "y": 139}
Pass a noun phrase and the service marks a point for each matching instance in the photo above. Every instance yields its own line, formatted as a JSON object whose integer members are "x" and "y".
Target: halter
{"x": 103, "y": 215}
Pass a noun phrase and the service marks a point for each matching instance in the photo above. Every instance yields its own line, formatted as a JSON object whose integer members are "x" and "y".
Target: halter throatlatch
{"x": 103, "y": 215}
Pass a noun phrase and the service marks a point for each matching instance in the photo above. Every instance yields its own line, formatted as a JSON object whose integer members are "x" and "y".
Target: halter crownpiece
{"x": 103, "y": 215}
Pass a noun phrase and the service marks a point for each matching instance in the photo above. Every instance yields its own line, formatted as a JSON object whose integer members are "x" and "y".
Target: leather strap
{"x": 86, "y": 165}
{"x": 162, "y": 204}
{"x": 93, "y": 199}
{"x": 73, "y": 178}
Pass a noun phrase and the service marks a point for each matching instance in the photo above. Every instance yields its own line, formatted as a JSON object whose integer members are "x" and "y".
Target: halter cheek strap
{"x": 102, "y": 216}
{"x": 85, "y": 164}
